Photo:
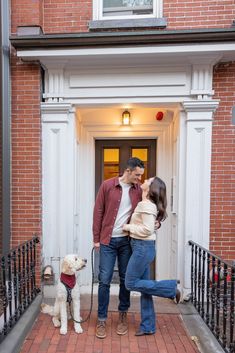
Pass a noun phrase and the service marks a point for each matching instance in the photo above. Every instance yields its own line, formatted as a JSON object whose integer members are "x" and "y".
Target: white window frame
{"x": 98, "y": 12}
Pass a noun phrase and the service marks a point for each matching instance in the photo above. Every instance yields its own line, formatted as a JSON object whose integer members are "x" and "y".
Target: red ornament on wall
{"x": 159, "y": 116}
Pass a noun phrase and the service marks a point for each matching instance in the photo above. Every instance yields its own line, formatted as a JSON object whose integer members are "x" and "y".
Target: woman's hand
{"x": 124, "y": 227}
{"x": 157, "y": 225}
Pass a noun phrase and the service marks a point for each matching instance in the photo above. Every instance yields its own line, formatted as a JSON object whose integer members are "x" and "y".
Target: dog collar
{"x": 68, "y": 280}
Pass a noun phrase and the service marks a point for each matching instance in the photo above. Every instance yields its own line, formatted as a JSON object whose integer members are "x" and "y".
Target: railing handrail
{"x": 227, "y": 262}
{"x": 5, "y": 254}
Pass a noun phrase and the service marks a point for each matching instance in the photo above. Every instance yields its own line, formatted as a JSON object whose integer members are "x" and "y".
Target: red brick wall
{"x": 26, "y": 13}
{"x": 26, "y": 152}
{"x": 199, "y": 13}
{"x": 73, "y": 15}
{"x": 65, "y": 16}
{"x": 223, "y": 166}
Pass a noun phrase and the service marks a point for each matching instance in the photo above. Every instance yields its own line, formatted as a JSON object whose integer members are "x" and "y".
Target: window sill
{"x": 128, "y": 23}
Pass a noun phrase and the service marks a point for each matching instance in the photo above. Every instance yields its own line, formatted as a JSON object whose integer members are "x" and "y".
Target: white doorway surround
{"x": 183, "y": 157}
{"x": 85, "y": 92}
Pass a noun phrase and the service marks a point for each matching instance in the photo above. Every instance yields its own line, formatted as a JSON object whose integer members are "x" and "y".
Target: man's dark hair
{"x": 133, "y": 163}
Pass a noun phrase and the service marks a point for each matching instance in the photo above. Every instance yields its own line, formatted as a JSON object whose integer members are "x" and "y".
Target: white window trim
{"x": 98, "y": 12}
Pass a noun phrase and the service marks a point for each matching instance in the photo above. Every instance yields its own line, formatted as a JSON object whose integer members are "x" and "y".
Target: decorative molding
{"x": 202, "y": 80}
{"x": 196, "y": 106}
{"x": 61, "y": 108}
{"x": 56, "y": 112}
{"x": 54, "y": 89}
{"x": 199, "y": 129}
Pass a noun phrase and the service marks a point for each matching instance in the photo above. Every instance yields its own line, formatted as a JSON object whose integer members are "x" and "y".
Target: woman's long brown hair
{"x": 157, "y": 194}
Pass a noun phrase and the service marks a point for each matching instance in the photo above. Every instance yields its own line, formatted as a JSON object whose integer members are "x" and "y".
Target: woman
{"x": 152, "y": 208}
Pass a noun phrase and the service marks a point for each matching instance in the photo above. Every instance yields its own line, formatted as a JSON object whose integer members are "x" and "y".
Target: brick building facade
{"x": 184, "y": 23}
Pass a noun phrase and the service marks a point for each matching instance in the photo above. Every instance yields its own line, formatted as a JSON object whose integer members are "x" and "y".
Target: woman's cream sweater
{"x": 142, "y": 223}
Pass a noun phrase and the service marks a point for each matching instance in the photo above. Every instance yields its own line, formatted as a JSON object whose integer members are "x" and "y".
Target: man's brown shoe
{"x": 100, "y": 329}
{"x": 122, "y": 326}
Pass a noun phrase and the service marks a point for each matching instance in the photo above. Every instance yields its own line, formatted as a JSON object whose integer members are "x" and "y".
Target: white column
{"x": 198, "y": 126}
{"x": 58, "y": 182}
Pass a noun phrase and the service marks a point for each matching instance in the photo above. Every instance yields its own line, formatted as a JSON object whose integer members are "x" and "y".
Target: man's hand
{"x": 97, "y": 246}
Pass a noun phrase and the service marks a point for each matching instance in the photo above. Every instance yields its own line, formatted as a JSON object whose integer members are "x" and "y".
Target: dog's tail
{"x": 47, "y": 309}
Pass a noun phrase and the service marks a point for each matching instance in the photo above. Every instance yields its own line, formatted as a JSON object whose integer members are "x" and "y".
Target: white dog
{"x": 70, "y": 264}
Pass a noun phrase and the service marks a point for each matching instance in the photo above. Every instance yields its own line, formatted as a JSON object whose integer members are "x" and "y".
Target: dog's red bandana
{"x": 68, "y": 280}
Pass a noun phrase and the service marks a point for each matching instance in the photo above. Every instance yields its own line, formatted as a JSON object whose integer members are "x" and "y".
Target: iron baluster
{"x": 192, "y": 272}
{"x": 208, "y": 289}
{"x": 4, "y": 295}
{"x": 31, "y": 270}
{"x": 9, "y": 291}
{"x": 217, "y": 329}
{"x": 195, "y": 277}
{"x": 20, "y": 307}
{"x": 27, "y": 273}
{"x": 199, "y": 279}
{"x": 34, "y": 261}
{"x": 225, "y": 308}
{"x": 23, "y": 278}
{"x": 213, "y": 300}
{"x": 14, "y": 284}
{"x": 232, "y": 343}
{"x": 203, "y": 283}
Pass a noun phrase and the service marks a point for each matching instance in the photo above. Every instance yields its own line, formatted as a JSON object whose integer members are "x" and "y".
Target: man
{"x": 115, "y": 202}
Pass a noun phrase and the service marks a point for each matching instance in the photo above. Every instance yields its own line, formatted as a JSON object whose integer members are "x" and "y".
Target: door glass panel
{"x": 111, "y": 163}
{"x": 141, "y": 153}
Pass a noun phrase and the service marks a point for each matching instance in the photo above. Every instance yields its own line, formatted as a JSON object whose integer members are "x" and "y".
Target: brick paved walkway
{"x": 171, "y": 337}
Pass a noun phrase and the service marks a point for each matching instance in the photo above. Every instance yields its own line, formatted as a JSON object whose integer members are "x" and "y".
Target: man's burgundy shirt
{"x": 106, "y": 208}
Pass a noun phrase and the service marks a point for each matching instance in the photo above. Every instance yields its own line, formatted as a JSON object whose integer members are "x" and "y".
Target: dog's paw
{"x": 56, "y": 322}
{"x": 44, "y": 308}
{"x": 63, "y": 331}
{"x": 78, "y": 328}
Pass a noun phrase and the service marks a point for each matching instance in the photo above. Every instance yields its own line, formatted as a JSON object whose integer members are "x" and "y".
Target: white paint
{"x": 215, "y": 50}
{"x": 58, "y": 164}
{"x": 198, "y": 126}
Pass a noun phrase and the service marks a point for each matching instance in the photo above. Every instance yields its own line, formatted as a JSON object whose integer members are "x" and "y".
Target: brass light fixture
{"x": 126, "y": 118}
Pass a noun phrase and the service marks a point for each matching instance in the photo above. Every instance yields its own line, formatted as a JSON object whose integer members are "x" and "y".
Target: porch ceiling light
{"x": 126, "y": 118}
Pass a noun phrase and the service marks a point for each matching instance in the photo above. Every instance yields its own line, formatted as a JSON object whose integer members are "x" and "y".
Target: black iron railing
{"x": 17, "y": 284}
{"x": 212, "y": 288}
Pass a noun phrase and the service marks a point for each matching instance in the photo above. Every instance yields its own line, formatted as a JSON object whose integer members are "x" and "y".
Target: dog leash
{"x": 69, "y": 299}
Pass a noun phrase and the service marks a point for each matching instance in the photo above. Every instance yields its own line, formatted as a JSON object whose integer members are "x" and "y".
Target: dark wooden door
{"x": 110, "y": 161}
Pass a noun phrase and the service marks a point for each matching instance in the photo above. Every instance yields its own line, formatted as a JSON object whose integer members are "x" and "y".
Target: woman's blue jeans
{"x": 137, "y": 279}
{"x": 119, "y": 248}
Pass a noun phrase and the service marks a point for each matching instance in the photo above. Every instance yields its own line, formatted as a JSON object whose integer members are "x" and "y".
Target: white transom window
{"x": 123, "y": 9}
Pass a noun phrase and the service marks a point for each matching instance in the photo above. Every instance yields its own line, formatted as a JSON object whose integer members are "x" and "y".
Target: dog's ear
{"x": 65, "y": 267}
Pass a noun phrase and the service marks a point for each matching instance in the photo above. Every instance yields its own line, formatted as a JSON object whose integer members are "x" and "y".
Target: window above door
{"x": 127, "y": 13}
{"x": 128, "y": 8}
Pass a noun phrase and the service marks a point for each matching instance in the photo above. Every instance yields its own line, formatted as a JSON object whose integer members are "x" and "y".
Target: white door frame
{"x": 86, "y": 177}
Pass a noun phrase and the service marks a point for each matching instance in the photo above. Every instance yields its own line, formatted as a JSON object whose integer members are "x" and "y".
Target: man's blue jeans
{"x": 118, "y": 248}
{"x": 137, "y": 279}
